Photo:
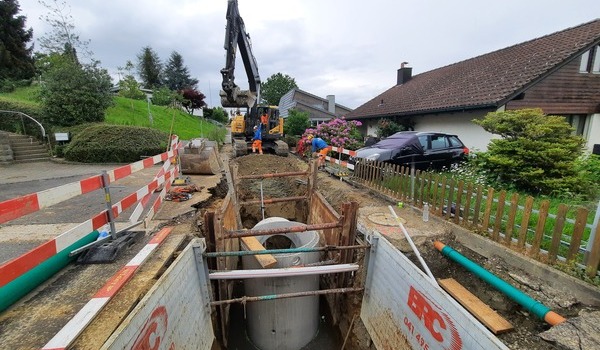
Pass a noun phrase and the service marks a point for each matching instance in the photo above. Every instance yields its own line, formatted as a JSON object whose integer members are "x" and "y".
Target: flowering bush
{"x": 339, "y": 133}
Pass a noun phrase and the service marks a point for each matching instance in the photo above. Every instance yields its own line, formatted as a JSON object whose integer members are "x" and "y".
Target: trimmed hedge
{"x": 115, "y": 144}
{"x": 15, "y": 123}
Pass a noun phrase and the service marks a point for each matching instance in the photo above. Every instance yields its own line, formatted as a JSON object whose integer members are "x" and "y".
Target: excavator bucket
{"x": 238, "y": 98}
{"x": 200, "y": 157}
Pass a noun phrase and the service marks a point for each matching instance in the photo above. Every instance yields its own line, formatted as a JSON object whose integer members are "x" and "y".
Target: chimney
{"x": 331, "y": 104}
{"x": 404, "y": 73}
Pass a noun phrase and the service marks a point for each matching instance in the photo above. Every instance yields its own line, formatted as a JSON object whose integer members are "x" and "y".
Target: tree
{"x": 276, "y": 86}
{"x": 62, "y": 37}
{"x": 130, "y": 88}
{"x": 74, "y": 94}
{"x": 387, "y": 127}
{"x": 176, "y": 74}
{"x": 219, "y": 114}
{"x": 296, "y": 123}
{"x": 536, "y": 152}
{"x": 149, "y": 68}
{"x": 16, "y": 60}
{"x": 192, "y": 99}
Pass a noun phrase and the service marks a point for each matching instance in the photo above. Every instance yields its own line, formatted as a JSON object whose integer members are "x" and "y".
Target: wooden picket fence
{"x": 517, "y": 222}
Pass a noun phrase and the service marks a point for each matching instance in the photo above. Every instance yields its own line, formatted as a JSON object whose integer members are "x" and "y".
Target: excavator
{"x": 232, "y": 96}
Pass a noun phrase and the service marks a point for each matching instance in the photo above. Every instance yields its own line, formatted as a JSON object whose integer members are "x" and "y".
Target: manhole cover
{"x": 385, "y": 219}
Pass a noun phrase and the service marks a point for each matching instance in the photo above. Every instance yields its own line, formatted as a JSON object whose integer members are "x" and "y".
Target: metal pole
{"x": 412, "y": 245}
{"x": 262, "y": 199}
{"x": 283, "y": 251}
{"x": 281, "y": 272}
{"x": 274, "y": 200}
{"x": 265, "y": 176}
{"x": 246, "y": 299}
{"x": 302, "y": 228}
{"x": 111, "y": 219}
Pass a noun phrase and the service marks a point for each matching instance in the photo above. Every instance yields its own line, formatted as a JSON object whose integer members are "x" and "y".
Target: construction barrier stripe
{"x": 18, "y": 266}
{"x": 137, "y": 212}
{"x": 17, "y": 207}
{"x": 84, "y": 317}
{"x": 344, "y": 151}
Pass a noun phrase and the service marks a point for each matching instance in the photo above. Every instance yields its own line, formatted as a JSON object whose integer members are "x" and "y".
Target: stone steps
{"x": 24, "y": 148}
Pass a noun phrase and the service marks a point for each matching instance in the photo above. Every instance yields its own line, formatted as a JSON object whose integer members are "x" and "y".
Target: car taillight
{"x": 466, "y": 151}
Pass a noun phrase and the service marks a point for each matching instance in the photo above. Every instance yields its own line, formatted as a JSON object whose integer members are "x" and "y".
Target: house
{"x": 320, "y": 110}
{"x": 559, "y": 73}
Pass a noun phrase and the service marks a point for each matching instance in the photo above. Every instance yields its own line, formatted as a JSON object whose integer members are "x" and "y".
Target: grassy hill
{"x": 133, "y": 112}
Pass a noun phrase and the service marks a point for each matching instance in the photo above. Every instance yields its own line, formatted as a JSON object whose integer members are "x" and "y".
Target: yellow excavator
{"x": 232, "y": 96}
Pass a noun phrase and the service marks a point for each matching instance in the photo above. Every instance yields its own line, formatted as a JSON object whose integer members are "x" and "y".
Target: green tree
{"x": 296, "y": 123}
{"x": 387, "y": 127}
{"x": 165, "y": 97}
{"x": 176, "y": 74}
{"x": 149, "y": 68}
{"x": 130, "y": 88}
{"x": 73, "y": 94}
{"x": 62, "y": 36}
{"x": 536, "y": 152}
{"x": 219, "y": 114}
{"x": 276, "y": 86}
{"x": 16, "y": 61}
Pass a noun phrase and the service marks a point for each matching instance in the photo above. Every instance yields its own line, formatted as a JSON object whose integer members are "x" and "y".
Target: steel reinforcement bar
{"x": 284, "y": 251}
{"x": 300, "y": 228}
{"x": 275, "y": 200}
{"x": 266, "y": 176}
{"x": 246, "y": 299}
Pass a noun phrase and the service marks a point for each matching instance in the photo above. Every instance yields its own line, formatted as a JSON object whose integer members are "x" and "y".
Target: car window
{"x": 423, "y": 142}
{"x": 438, "y": 142}
{"x": 454, "y": 141}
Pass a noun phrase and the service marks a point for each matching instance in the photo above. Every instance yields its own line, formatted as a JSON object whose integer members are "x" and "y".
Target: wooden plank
{"x": 477, "y": 206}
{"x": 561, "y": 217}
{"x": 459, "y": 194}
{"x": 467, "y": 210}
{"x": 499, "y": 215}
{"x": 485, "y": 314}
{"x": 580, "y": 222}
{"x": 450, "y": 199}
{"x": 525, "y": 223}
{"x": 510, "y": 224}
{"x": 422, "y": 177}
{"x": 488, "y": 211}
{"x": 436, "y": 185}
{"x": 594, "y": 257}
{"x": 442, "y": 197}
{"x": 539, "y": 229}
{"x": 266, "y": 260}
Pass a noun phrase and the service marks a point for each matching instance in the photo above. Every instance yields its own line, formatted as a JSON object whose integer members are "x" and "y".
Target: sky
{"x": 348, "y": 48}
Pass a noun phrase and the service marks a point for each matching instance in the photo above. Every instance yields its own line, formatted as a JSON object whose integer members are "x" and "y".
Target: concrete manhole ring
{"x": 384, "y": 219}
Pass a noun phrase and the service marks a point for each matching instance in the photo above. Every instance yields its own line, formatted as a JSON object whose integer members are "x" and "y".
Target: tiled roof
{"x": 484, "y": 81}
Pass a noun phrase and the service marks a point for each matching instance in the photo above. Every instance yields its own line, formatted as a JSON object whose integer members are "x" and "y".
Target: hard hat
{"x": 255, "y": 127}
{"x": 310, "y": 136}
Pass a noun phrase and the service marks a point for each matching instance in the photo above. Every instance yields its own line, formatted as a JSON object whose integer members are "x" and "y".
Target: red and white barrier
{"x": 339, "y": 161}
{"x": 17, "y": 207}
{"x": 82, "y": 319}
{"x": 16, "y": 267}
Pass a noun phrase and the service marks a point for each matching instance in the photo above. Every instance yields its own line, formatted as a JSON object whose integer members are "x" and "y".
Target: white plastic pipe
{"x": 412, "y": 245}
{"x": 284, "y": 272}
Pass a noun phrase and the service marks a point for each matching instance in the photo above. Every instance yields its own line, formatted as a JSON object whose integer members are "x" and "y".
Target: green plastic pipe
{"x": 20, "y": 286}
{"x": 530, "y": 304}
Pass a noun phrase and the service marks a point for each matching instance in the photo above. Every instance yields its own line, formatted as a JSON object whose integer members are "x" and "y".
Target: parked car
{"x": 426, "y": 150}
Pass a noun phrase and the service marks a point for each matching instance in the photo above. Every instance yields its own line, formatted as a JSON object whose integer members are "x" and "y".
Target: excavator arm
{"x": 236, "y": 37}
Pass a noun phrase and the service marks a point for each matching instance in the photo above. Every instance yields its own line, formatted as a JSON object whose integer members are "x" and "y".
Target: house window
{"x": 590, "y": 61}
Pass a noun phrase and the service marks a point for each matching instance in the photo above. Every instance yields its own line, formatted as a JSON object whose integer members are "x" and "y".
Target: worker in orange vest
{"x": 264, "y": 120}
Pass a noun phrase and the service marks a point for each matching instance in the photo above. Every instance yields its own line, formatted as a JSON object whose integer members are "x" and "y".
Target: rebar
{"x": 274, "y": 231}
{"x": 246, "y": 299}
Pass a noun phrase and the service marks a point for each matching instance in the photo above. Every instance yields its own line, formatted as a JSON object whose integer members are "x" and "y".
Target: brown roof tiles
{"x": 484, "y": 81}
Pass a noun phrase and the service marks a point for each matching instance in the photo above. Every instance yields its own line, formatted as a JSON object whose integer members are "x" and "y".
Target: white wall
{"x": 460, "y": 124}
{"x": 592, "y": 131}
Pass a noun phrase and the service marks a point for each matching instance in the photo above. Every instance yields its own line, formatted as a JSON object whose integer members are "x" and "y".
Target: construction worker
{"x": 257, "y": 140}
{"x": 319, "y": 149}
{"x": 264, "y": 121}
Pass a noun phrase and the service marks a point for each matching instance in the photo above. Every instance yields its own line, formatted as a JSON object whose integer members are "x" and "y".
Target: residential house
{"x": 319, "y": 109}
{"x": 559, "y": 73}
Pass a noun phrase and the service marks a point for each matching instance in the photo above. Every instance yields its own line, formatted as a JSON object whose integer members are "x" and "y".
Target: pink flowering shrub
{"x": 339, "y": 133}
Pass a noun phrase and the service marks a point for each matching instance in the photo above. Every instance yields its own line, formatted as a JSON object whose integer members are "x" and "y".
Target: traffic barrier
{"x": 339, "y": 161}
{"x": 20, "y": 275}
{"x": 77, "y": 324}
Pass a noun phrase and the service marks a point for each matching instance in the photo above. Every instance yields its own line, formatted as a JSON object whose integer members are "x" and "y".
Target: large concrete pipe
{"x": 283, "y": 324}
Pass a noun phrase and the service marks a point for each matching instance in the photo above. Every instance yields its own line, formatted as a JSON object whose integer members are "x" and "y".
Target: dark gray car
{"x": 426, "y": 150}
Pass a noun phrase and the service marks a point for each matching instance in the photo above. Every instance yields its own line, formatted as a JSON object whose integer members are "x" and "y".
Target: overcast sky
{"x": 347, "y": 48}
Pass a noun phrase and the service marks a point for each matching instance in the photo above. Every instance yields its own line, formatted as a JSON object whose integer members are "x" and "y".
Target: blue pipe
{"x": 530, "y": 304}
